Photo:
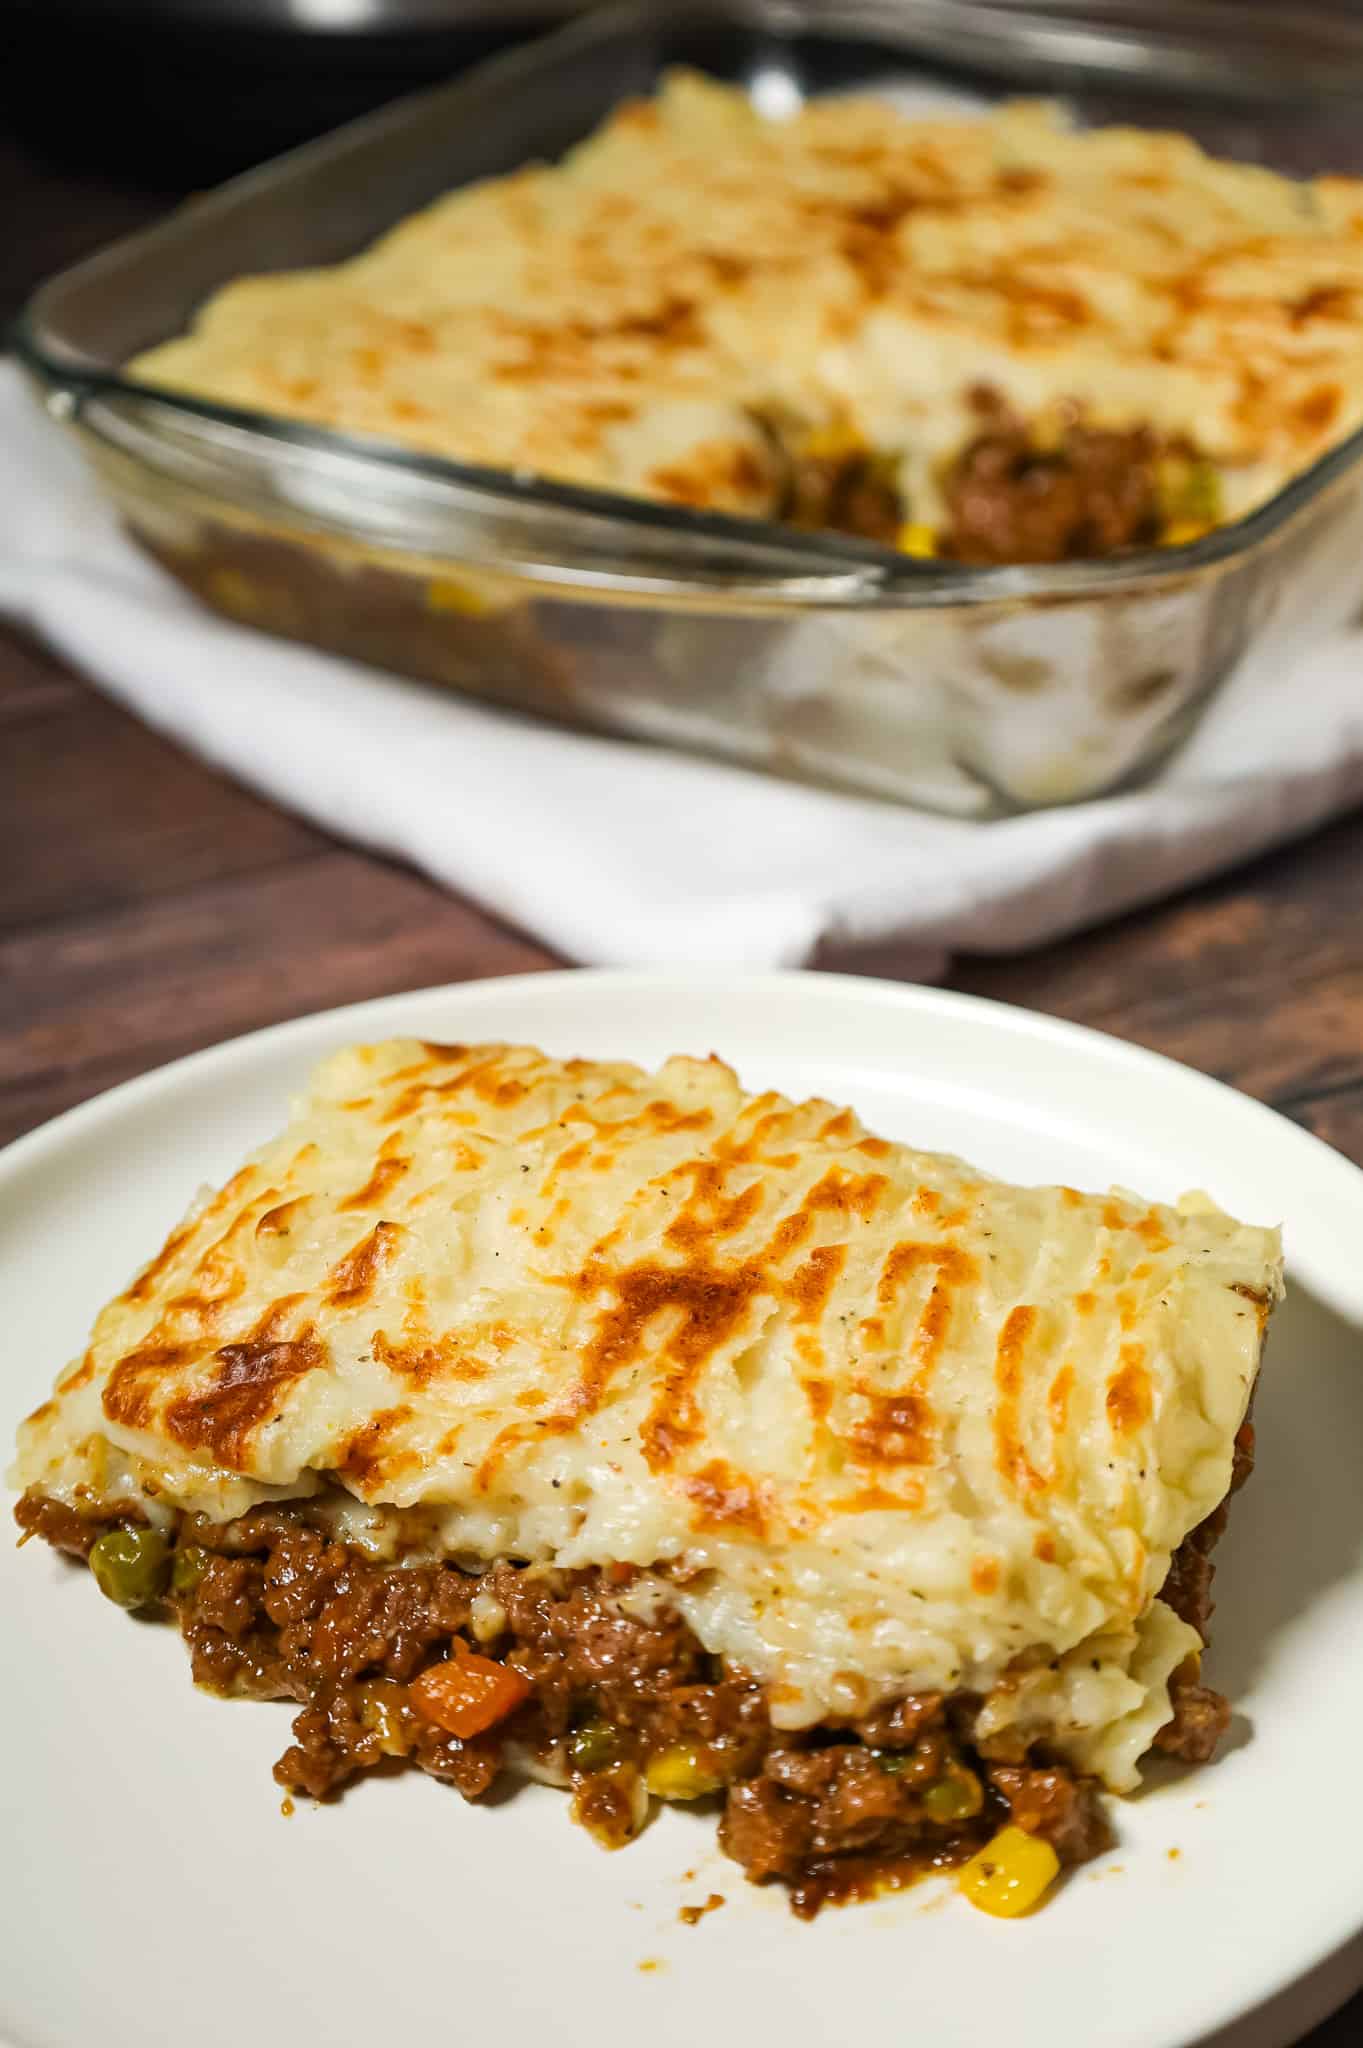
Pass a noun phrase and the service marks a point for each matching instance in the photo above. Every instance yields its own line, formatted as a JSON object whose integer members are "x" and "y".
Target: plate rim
{"x": 1332, "y": 1934}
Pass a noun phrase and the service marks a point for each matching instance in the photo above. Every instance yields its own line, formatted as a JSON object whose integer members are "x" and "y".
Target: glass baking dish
{"x": 975, "y": 691}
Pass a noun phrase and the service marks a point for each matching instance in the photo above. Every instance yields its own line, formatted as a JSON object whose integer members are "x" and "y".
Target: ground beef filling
{"x": 1091, "y": 494}
{"x": 852, "y": 492}
{"x": 617, "y": 1707}
{"x": 1011, "y": 495}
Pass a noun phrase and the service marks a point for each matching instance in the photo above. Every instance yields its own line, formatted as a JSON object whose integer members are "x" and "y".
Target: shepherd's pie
{"x": 669, "y": 1441}
{"x": 998, "y": 338}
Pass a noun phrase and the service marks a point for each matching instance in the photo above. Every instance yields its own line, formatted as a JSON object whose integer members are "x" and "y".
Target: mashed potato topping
{"x": 871, "y": 1420}
{"x": 699, "y": 297}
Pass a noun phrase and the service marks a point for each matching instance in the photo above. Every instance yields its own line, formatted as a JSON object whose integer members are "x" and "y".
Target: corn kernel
{"x": 831, "y": 440}
{"x": 454, "y": 594}
{"x": 679, "y": 1774}
{"x": 914, "y": 538}
{"x": 1010, "y": 1873}
{"x": 1182, "y": 531}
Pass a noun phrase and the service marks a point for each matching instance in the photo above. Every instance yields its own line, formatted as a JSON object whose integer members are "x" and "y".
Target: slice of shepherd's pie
{"x": 667, "y": 1441}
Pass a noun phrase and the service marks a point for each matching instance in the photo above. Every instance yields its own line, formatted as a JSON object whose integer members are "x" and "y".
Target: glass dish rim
{"x": 856, "y": 572}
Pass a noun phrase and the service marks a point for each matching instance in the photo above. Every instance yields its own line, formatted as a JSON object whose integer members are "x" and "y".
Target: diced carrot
{"x": 467, "y": 1693}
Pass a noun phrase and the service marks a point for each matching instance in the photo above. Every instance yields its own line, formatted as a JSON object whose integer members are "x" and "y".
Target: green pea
{"x": 592, "y": 1747}
{"x": 188, "y": 1568}
{"x": 893, "y": 1761}
{"x": 955, "y": 1798}
{"x": 1189, "y": 491}
{"x": 131, "y": 1566}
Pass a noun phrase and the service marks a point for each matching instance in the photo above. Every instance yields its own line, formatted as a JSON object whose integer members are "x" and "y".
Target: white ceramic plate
{"x": 144, "y": 1854}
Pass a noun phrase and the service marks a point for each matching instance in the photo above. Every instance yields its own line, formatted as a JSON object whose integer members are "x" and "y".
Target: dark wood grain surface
{"x": 148, "y": 906}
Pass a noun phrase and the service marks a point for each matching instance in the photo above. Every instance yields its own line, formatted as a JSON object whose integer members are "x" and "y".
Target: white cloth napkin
{"x": 624, "y": 854}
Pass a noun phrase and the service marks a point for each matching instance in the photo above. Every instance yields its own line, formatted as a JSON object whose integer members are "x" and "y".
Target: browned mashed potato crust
{"x": 793, "y": 318}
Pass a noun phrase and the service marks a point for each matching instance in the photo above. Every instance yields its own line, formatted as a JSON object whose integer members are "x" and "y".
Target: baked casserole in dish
{"x": 733, "y": 383}
{"x": 670, "y": 1442}
{"x": 996, "y": 338}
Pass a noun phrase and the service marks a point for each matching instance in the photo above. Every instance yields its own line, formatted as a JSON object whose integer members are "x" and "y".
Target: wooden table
{"x": 148, "y": 906}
